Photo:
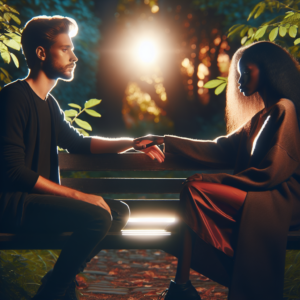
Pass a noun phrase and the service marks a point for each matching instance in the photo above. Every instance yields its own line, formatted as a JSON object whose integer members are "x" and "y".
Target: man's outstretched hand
{"x": 147, "y": 144}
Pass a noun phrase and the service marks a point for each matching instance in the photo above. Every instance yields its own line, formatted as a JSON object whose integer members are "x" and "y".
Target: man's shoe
{"x": 184, "y": 291}
{"x": 71, "y": 291}
{"x": 46, "y": 293}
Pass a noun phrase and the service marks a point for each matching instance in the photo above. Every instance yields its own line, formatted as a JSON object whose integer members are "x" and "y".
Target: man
{"x": 32, "y": 126}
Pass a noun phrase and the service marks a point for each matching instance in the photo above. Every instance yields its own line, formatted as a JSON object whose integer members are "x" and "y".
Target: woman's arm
{"x": 220, "y": 152}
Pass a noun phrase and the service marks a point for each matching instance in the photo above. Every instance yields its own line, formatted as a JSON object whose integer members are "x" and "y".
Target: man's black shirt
{"x": 45, "y": 134}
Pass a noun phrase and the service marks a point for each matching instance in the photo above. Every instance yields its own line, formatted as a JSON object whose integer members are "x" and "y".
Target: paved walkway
{"x": 137, "y": 274}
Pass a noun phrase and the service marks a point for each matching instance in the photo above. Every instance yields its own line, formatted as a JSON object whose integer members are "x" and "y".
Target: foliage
{"x": 74, "y": 113}
{"x": 83, "y": 85}
{"x": 219, "y": 84}
{"x": 292, "y": 275}
{"x": 283, "y": 28}
{"x": 22, "y": 270}
{"x": 10, "y": 38}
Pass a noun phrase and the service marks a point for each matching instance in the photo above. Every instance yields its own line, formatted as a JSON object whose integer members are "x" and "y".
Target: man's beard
{"x": 58, "y": 72}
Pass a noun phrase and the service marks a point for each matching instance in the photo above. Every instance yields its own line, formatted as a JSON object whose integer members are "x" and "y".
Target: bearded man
{"x": 32, "y": 126}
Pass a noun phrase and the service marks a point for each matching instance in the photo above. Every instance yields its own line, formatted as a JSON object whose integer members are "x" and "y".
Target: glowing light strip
{"x": 152, "y": 220}
{"x": 149, "y": 232}
{"x": 259, "y": 133}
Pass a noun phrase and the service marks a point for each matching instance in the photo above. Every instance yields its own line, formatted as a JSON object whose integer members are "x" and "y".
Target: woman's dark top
{"x": 22, "y": 147}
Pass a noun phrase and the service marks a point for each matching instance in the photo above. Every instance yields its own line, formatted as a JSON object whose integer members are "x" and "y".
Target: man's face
{"x": 60, "y": 59}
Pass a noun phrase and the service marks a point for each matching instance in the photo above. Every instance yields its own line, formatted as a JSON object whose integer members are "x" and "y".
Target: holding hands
{"x": 148, "y": 145}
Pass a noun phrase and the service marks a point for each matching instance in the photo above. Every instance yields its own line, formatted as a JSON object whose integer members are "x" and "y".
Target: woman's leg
{"x": 185, "y": 256}
{"x": 208, "y": 211}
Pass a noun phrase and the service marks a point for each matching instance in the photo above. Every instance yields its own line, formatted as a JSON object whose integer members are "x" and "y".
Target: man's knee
{"x": 100, "y": 219}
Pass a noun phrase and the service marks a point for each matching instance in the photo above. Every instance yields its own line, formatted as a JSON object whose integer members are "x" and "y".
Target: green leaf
{"x": 223, "y": 78}
{"x": 235, "y": 30}
{"x": 260, "y": 10}
{"x": 3, "y": 47}
{"x": 91, "y": 103}
{"x": 75, "y": 105}
{"x": 213, "y": 83}
{"x": 82, "y": 131}
{"x": 83, "y": 124}
{"x": 7, "y": 16}
{"x": 253, "y": 11}
{"x": 15, "y": 60}
{"x": 14, "y": 36}
{"x": 289, "y": 14}
{"x": 5, "y": 72}
{"x": 234, "y": 26}
{"x": 250, "y": 32}
{"x": 282, "y": 31}
{"x": 260, "y": 32}
{"x": 71, "y": 113}
{"x": 6, "y": 57}
{"x": 12, "y": 44}
{"x": 13, "y": 10}
{"x": 243, "y": 32}
{"x": 297, "y": 41}
{"x": 15, "y": 18}
{"x": 293, "y": 31}
{"x": 273, "y": 34}
{"x": 68, "y": 119}
{"x": 220, "y": 88}
{"x": 92, "y": 113}
{"x": 244, "y": 39}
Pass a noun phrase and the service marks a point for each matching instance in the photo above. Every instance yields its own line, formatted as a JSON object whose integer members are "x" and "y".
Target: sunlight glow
{"x": 147, "y": 51}
{"x": 146, "y": 232}
{"x": 152, "y": 220}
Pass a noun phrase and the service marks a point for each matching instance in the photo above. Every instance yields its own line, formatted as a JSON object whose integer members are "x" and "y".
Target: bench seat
{"x": 128, "y": 163}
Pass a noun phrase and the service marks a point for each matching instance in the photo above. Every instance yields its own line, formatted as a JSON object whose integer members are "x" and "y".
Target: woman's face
{"x": 249, "y": 78}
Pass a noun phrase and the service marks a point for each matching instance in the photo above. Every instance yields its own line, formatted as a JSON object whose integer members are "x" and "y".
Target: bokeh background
{"x": 148, "y": 61}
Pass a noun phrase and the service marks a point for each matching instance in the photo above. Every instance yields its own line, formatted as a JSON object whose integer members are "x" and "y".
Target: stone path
{"x": 137, "y": 274}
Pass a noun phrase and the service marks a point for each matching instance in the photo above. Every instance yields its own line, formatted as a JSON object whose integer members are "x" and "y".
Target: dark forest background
{"x": 164, "y": 97}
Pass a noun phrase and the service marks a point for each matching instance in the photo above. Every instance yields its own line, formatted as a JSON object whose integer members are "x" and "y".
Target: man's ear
{"x": 41, "y": 53}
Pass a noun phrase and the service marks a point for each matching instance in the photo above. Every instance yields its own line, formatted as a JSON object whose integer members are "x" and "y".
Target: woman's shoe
{"x": 184, "y": 291}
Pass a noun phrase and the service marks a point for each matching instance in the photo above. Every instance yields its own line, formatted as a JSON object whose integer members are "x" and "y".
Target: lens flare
{"x": 147, "y": 51}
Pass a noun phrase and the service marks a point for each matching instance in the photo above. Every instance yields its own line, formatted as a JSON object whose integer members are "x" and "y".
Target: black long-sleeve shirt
{"x": 21, "y": 144}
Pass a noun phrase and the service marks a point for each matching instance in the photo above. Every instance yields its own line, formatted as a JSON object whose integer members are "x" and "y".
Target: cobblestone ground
{"x": 137, "y": 274}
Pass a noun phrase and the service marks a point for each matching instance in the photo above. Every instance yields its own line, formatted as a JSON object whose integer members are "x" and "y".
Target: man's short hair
{"x": 42, "y": 31}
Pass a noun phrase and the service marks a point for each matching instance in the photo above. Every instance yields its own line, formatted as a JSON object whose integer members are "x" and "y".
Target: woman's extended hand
{"x": 147, "y": 141}
{"x": 147, "y": 144}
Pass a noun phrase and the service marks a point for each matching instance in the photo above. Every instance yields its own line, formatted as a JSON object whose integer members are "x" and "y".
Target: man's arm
{"x": 103, "y": 145}
{"x": 45, "y": 186}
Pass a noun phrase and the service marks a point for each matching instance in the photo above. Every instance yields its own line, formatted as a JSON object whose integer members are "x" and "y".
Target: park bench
{"x": 127, "y": 164}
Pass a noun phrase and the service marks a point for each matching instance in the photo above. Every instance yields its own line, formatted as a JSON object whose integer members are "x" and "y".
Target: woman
{"x": 236, "y": 225}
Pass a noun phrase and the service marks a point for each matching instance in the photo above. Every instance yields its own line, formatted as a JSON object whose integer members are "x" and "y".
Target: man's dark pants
{"x": 89, "y": 224}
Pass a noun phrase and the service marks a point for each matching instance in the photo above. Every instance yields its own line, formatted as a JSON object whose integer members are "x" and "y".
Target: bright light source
{"x": 152, "y": 220}
{"x": 146, "y": 232}
{"x": 147, "y": 51}
{"x": 154, "y": 9}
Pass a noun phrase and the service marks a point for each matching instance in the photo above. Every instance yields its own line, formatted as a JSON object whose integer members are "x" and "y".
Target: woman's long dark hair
{"x": 279, "y": 71}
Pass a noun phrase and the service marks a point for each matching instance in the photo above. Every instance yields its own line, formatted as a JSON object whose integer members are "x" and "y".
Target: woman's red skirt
{"x": 211, "y": 210}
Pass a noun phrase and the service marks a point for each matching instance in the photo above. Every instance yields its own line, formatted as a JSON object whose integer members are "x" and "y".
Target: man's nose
{"x": 74, "y": 58}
